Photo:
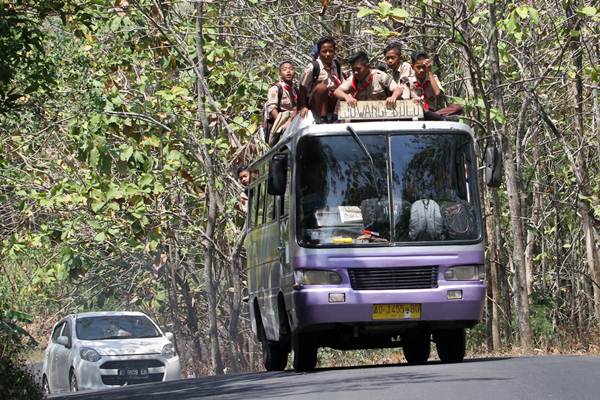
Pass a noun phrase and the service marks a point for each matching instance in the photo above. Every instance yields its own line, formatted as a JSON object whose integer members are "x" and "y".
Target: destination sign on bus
{"x": 372, "y": 110}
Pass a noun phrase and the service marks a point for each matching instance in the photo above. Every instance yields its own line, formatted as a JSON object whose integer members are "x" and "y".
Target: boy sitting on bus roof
{"x": 426, "y": 86}
{"x": 282, "y": 101}
{"x": 368, "y": 84}
{"x": 321, "y": 77}
{"x": 283, "y": 96}
{"x": 393, "y": 58}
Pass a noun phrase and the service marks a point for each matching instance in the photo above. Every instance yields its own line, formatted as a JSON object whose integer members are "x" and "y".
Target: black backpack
{"x": 317, "y": 70}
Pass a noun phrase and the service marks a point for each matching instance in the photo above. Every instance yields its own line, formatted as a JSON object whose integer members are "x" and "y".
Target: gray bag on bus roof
{"x": 426, "y": 222}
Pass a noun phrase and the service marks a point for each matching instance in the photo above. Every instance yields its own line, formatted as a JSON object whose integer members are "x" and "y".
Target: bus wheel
{"x": 417, "y": 346}
{"x": 305, "y": 352}
{"x": 274, "y": 355}
{"x": 451, "y": 344}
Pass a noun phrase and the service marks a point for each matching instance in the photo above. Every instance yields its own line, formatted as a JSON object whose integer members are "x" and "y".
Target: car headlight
{"x": 89, "y": 354}
{"x": 168, "y": 350}
{"x": 465, "y": 273}
{"x": 316, "y": 277}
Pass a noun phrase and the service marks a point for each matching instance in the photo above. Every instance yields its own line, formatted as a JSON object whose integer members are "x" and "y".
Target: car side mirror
{"x": 64, "y": 341}
{"x": 169, "y": 336}
{"x": 277, "y": 175}
{"x": 493, "y": 167}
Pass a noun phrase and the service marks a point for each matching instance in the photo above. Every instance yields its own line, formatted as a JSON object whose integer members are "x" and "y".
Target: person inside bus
{"x": 368, "y": 84}
{"x": 318, "y": 82}
{"x": 425, "y": 86}
{"x": 393, "y": 58}
{"x": 243, "y": 174}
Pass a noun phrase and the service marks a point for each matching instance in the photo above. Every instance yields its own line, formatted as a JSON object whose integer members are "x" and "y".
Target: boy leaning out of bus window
{"x": 369, "y": 84}
{"x": 425, "y": 86}
{"x": 243, "y": 174}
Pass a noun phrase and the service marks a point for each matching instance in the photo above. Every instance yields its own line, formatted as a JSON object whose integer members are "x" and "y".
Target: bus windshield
{"x": 343, "y": 199}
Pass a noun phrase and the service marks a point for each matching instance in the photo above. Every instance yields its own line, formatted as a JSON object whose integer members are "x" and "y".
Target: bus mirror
{"x": 493, "y": 167}
{"x": 277, "y": 175}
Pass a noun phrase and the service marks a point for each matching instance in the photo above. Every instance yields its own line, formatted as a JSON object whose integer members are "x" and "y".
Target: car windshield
{"x": 343, "y": 198}
{"x": 115, "y": 327}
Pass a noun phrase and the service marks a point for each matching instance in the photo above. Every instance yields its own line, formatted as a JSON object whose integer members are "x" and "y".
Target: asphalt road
{"x": 523, "y": 378}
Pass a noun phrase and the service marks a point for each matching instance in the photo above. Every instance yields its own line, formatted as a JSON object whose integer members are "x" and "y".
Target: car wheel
{"x": 73, "y": 386}
{"x": 45, "y": 385}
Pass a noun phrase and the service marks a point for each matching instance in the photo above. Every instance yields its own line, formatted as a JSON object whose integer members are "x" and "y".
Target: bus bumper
{"x": 312, "y": 305}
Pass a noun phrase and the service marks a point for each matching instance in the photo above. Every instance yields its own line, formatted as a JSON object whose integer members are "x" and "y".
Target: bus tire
{"x": 451, "y": 345}
{"x": 274, "y": 355}
{"x": 417, "y": 347}
{"x": 304, "y": 352}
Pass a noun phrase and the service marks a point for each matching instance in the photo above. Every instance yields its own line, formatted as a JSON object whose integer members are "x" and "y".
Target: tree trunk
{"x": 581, "y": 171}
{"x": 217, "y": 363}
{"x": 512, "y": 189}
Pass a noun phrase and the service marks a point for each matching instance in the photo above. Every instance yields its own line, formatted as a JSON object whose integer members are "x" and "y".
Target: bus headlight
{"x": 465, "y": 273}
{"x": 316, "y": 277}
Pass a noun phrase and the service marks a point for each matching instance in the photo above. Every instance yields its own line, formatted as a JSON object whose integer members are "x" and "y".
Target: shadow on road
{"x": 320, "y": 382}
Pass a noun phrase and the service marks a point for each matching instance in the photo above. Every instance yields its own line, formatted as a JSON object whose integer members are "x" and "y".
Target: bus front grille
{"x": 393, "y": 278}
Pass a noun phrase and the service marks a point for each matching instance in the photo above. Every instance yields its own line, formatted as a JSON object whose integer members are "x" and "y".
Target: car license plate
{"x": 396, "y": 311}
{"x": 134, "y": 372}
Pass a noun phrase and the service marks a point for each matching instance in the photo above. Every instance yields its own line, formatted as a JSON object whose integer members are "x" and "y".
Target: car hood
{"x": 119, "y": 347}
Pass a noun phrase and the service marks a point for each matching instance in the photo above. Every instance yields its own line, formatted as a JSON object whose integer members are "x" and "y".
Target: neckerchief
{"x": 422, "y": 88}
{"x": 336, "y": 79}
{"x": 292, "y": 92}
{"x": 358, "y": 89}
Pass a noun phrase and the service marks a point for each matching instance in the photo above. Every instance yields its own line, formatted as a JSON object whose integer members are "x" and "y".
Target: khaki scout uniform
{"x": 423, "y": 91}
{"x": 289, "y": 97}
{"x": 327, "y": 75}
{"x": 379, "y": 86}
{"x": 404, "y": 70}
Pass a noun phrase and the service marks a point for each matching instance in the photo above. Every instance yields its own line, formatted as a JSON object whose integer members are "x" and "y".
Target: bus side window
{"x": 256, "y": 206}
{"x": 250, "y": 207}
{"x": 284, "y": 201}
{"x": 269, "y": 208}
{"x": 260, "y": 204}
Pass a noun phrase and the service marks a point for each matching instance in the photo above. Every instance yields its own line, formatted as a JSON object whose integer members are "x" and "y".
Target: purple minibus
{"x": 365, "y": 235}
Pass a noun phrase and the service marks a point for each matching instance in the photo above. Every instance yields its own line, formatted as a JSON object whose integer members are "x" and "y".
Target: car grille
{"x": 393, "y": 278}
{"x": 132, "y": 364}
{"x": 121, "y": 380}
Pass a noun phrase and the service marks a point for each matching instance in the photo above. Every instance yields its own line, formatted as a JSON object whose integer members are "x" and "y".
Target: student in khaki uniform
{"x": 393, "y": 58}
{"x": 283, "y": 96}
{"x": 368, "y": 84}
{"x": 281, "y": 104}
{"x": 426, "y": 87}
{"x": 319, "y": 81}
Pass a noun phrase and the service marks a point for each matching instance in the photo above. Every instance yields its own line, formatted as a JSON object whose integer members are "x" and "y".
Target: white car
{"x": 98, "y": 350}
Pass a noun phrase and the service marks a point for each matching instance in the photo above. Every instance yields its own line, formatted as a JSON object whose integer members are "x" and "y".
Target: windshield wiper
{"x": 364, "y": 149}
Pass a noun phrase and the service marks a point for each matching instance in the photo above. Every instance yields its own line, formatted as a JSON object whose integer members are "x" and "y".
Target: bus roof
{"x": 306, "y": 127}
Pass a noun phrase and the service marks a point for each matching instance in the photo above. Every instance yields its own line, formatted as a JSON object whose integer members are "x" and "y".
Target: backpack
{"x": 266, "y": 120}
{"x": 426, "y": 221}
{"x": 316, "y": 71}
{"x": 459, "y": 220}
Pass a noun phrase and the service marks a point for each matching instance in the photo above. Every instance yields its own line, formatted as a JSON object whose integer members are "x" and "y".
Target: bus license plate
{"x": 396, "y": 311}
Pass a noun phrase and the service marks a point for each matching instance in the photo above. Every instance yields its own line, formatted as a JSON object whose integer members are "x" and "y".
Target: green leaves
{"x": 384, "y": 11}
{"x": 588, "y": 11}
